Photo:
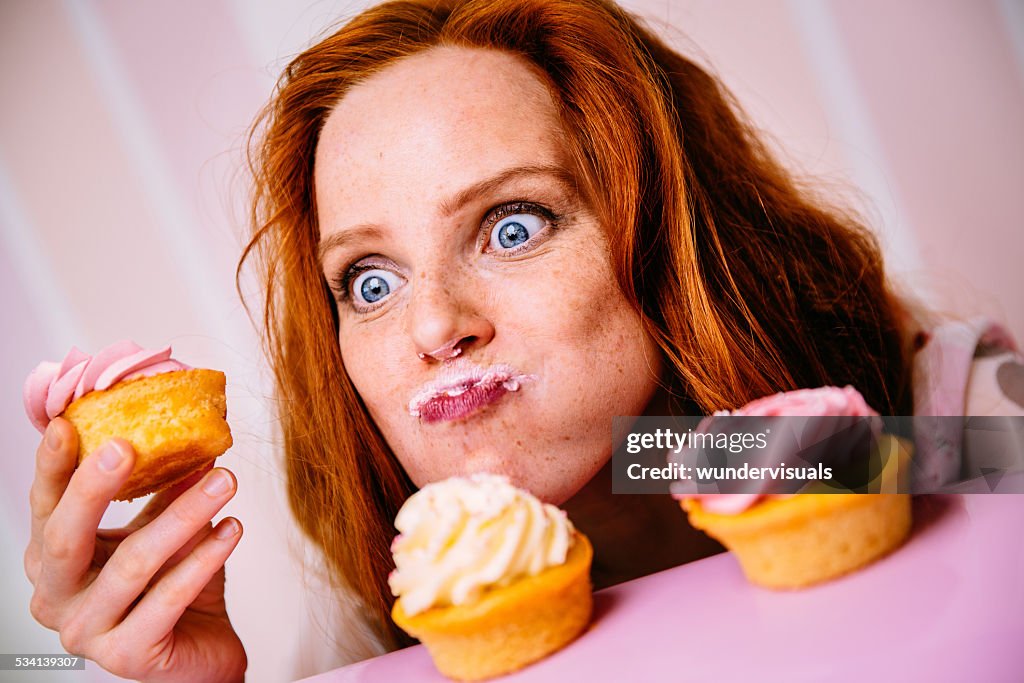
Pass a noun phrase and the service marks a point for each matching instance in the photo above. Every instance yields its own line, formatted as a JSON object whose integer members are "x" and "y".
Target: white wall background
{"x": 121, "y": 209}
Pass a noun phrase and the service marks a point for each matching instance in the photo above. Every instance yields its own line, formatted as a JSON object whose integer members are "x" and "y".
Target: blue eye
{"x": 374, "y": 289}
{"x": 374, "y": 285}
{"x": 514, "y": 230}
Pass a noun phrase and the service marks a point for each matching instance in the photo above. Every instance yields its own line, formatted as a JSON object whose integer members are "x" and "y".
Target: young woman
{"x": 486, "y": 228}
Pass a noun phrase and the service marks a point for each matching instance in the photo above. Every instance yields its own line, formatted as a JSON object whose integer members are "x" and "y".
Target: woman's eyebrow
{"x": 559, "y": 173}
{"x": 452, "y": 204}
{"x": 350, "y": 234}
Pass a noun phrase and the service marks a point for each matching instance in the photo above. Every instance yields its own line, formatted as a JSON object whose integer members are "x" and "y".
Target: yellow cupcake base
{"x": 813, "y": 537}
{"x": 810, "y": 538}
{"x": 173, "y": 420}
{"x": 508, "y": 627}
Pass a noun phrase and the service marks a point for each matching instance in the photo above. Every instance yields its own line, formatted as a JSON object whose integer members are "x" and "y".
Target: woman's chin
{"x": 522, "y": 470}
{"x": 493, "y": 461}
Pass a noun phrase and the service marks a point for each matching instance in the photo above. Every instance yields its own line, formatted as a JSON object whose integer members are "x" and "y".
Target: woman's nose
{"x": 445, "y": 319}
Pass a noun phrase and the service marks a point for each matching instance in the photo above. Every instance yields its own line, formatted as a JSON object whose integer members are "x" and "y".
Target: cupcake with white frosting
{"x": 487, "y": 577}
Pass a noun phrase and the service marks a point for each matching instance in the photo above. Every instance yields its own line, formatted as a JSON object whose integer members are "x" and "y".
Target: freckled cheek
{"x": 583, "y": 302}
{"x": 369, "y": 361}
{"x": 600, "y": 344}
{"x": 385, "y": 395}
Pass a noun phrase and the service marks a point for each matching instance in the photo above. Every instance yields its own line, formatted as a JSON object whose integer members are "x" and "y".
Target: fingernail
{"x": 110, "y": 457}
{"x": 52, "y": 437}
{"x": 217, "y": 483}
{"x": 227, "y": 529}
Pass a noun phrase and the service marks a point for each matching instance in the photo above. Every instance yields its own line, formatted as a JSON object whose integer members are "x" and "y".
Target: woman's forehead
{"x": 450, "y": 72}
{"x": 457, "y": 97}
{"x": 459, "y": 110}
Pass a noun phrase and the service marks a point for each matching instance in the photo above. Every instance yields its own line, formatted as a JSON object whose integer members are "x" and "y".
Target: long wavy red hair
{"x": 748, "y": 285}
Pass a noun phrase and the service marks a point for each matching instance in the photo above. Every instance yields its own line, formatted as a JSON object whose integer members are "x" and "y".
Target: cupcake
{"x": 487, "y": 577}
{"x": 173, "y": 415}
{"x": 792, "y": 541}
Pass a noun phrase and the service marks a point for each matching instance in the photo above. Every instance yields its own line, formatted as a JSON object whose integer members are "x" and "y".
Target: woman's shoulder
{"x": 963, "y": 368}
{"x": 968, "y": 367}
{"x": 996, "y": 384}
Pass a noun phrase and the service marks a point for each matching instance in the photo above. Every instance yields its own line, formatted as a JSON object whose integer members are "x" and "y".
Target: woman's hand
{"x": 146, "y": 601}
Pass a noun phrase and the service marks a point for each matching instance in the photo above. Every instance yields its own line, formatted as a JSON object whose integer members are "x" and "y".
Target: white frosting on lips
{"x": 459, "y": 376}
{"x": 463, "y": 535}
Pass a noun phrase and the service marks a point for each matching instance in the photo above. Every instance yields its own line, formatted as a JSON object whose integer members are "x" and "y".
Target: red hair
{"x": 746, "y": 283}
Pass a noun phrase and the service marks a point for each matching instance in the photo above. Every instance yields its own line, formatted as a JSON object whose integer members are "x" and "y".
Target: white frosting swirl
{"x": 464, "y": 535}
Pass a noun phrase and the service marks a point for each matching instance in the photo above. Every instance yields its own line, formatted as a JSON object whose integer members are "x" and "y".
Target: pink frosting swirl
{"x": 51, "y": 387}
{"x": 823, "y": 401}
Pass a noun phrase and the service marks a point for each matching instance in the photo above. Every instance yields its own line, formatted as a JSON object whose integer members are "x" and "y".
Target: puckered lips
{"x": 462, "y": 388}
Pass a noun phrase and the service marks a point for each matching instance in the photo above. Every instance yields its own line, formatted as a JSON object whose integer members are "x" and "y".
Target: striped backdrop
{"x": 121, "y": 198}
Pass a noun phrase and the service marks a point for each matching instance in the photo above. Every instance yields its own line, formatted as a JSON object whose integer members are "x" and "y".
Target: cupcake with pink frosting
{"x": 172, "y": 414}
{"x": 784, "y": 540}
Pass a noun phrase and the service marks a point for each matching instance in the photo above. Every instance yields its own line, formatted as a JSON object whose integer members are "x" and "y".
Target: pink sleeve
{"x": 995, "y": 385}
{"x": 964, "y": 368}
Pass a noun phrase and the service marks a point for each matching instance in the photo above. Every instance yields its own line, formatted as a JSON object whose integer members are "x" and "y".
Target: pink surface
{"x": 948, "y": 606}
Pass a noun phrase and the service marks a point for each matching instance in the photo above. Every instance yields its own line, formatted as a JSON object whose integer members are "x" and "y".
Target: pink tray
{"x": 948, "y": 606}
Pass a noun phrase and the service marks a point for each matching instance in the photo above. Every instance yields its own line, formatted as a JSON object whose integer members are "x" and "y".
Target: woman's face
{"x": 479, "y": 318}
